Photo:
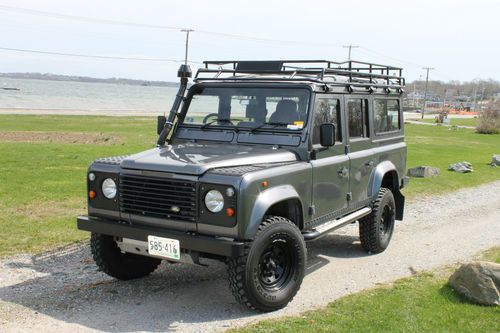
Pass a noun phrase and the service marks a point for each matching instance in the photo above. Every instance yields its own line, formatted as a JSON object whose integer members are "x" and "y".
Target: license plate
{"x": 164, "y": 247}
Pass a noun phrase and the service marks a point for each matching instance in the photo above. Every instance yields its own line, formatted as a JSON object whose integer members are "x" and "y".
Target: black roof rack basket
{"x": 320, "y": 71}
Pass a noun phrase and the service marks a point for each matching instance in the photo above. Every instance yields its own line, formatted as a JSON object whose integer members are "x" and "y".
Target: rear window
{"x": 357, "y": 114}
{"x": 386, "y": 115}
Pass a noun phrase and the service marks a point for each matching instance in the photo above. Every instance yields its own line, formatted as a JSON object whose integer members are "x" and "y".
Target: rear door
{"x": 331, "y": 166}
{"x": 360, "y": 148}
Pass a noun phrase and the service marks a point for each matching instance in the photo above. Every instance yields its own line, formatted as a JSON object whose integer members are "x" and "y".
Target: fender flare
{"x": 378, "y": 175}
{"x": 264, "y": 201}
{"x": 376, "y": 182}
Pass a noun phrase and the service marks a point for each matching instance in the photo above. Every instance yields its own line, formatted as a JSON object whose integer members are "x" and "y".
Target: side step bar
{"x": 335, "y": 224}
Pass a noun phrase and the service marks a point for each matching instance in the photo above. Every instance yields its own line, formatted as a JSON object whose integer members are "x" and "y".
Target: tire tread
{"x": 237, "y": 267}
{"x": 368, "y": 225}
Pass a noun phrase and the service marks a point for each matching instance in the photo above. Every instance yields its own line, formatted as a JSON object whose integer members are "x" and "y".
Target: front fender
{"x": 377, "y": 177}
{"x": 264, "y": 201}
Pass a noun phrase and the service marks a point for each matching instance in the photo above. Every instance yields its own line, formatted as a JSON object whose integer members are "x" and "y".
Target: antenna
{"x": 187, "y": 31}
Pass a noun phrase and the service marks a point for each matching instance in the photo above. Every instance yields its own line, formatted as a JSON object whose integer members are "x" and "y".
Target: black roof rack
{"x": 317, "y": 71}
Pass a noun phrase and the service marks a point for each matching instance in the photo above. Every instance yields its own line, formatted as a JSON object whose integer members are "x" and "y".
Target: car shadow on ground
{"x": 66, "y": 285}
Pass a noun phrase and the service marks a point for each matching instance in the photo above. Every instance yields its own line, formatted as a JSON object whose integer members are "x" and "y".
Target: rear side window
{"x": 386, "y": 115}
{"x": 327, "y": 111}
{"x": 357, "y": 116}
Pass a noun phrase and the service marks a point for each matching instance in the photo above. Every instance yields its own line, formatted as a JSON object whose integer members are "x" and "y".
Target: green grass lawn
{"x": 455, "y": 121}
{"x": 422, "y": 303}
{"x": 440, "y": 147}
{"x": 42, "y": 184}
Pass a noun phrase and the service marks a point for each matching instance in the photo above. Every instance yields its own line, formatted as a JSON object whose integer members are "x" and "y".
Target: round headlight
{"x": 109, "y": 188}
{"x": 214, "y": 201}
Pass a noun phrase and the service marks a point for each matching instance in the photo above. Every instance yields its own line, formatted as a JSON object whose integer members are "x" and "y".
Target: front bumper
{"x": 188, "y": 241}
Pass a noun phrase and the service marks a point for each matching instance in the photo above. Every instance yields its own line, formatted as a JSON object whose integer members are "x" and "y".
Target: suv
{"x": 255, "y": 159}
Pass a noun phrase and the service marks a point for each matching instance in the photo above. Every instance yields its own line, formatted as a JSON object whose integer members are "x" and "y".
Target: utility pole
{"x": 481, "y": 102}
{"x": 187, "y": 31}
{"x": 413, "y": 93}
{"x": 350, "y": 47}
{"x": 426, "y": 85}
{"x": 475, "y": 96}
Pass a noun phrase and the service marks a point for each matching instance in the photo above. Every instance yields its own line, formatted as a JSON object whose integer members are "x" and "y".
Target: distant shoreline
{"x": 80, "y": 112}
{"x": 86, "y": 79}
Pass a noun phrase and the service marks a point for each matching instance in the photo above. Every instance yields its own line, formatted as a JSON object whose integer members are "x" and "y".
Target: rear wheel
{"x": 123, "y": 266}
{"x": 269, "y": 273}
{"x": 376, "y": 229}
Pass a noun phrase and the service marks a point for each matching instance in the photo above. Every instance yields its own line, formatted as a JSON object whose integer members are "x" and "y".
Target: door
{"x": 331, "y": 166}
{"x": 360, "y": 153}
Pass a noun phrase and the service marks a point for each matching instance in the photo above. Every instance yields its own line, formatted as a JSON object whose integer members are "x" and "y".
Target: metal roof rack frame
{"x": 356, "y": 73}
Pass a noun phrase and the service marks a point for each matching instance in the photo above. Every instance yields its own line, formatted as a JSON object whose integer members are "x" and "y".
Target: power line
{"x": 390, "y": 57}
{"x": 84, "y": 18}
{"x": 92, "y": 56}
{"x": 153, "y": 26}
{"x": 261, "y": 39}
{"x": 164, "y": 27}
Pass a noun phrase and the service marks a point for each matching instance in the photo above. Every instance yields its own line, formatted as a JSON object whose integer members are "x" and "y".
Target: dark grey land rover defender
{"x": 255, "y": 159}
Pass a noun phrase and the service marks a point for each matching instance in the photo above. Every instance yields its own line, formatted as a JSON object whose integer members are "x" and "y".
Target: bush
{"x": 489, "y": 119}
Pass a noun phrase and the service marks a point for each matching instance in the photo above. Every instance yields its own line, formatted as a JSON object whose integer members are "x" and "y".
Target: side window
{"x": 327, "y": 110}
{"x": 357, "y": 117}
{"x": 386, "y": 115}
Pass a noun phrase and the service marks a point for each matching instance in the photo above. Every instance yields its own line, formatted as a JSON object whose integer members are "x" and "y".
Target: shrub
{"x": 489, "y": 119}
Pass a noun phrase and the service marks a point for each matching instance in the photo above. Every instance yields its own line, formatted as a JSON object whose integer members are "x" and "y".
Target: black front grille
{"x": 158, "y": 197}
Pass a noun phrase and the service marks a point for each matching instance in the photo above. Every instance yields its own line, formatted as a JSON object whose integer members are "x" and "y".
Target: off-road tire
{"x": 277, "y": 244}
{"x": 123, "y": 266}
{"x": 376, "y": 229}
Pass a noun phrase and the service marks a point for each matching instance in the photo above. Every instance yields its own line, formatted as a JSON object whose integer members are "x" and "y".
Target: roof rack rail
{"x": 355, "y": 72}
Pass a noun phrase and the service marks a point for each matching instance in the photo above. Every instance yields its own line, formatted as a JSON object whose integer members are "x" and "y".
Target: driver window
{"x": 198, "y": 109}
{"x": 327, "y": 110}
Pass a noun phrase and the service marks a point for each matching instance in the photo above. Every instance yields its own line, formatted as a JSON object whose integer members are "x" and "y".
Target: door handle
{"x": 369, "y": 163}
{"x": 343, "y": 172}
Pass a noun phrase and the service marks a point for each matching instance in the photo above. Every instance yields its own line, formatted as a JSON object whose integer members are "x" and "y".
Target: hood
{"x": 196, "y": 159}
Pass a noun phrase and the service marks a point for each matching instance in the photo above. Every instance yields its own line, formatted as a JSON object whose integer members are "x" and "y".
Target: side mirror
{"x": 160, "y": 124}
{"x": 327, "y": 134}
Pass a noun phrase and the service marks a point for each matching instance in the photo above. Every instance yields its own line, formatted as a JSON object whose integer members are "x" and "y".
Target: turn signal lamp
{"x": 92, "y": 194}
{"x": 230, "y": 212}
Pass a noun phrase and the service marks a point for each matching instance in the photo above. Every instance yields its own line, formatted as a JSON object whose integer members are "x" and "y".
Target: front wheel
{"x": 375, "y": 230}
{"x": 269, "y": 273}
{"x": 123, "y": 266}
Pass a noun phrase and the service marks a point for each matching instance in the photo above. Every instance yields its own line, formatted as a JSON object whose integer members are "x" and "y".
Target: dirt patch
{"x": 60, "y": 137}
{"x": 37, "y": 211}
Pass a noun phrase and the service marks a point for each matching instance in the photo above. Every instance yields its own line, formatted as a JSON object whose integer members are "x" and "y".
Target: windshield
{"x": 249, "y": 108}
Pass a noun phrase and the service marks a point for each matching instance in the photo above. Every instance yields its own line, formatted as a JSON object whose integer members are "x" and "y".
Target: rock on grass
{"x": 462, "y": 167}
{"x": 478, "y": 282}
{"x": 423, "y": 172}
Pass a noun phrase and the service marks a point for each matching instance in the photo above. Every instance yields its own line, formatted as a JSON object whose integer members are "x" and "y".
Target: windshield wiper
{"x": 226, "y": 121}
{"x": 273, "y": 124}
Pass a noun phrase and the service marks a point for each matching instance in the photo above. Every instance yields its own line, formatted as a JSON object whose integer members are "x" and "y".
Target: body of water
{"x": 49, "y": 95}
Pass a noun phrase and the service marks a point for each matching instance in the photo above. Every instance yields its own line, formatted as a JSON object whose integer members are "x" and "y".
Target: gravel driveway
{"x": 63, "y": 291}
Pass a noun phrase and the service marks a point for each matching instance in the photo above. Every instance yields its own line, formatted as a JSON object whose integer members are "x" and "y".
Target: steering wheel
{"x": 206, "y": 119}
{"x": 213, "y": 117}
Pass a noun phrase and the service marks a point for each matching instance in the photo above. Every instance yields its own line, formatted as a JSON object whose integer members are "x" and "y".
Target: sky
{"x": 460, "y": 39}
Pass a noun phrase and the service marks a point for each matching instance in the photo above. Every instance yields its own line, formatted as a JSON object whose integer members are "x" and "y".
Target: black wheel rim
{"x": 276, "y": 265}
{"x": 386, "y": 221}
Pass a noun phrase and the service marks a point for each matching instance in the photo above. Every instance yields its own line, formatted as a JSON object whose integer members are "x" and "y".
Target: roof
{"x": 348, "y": 73}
